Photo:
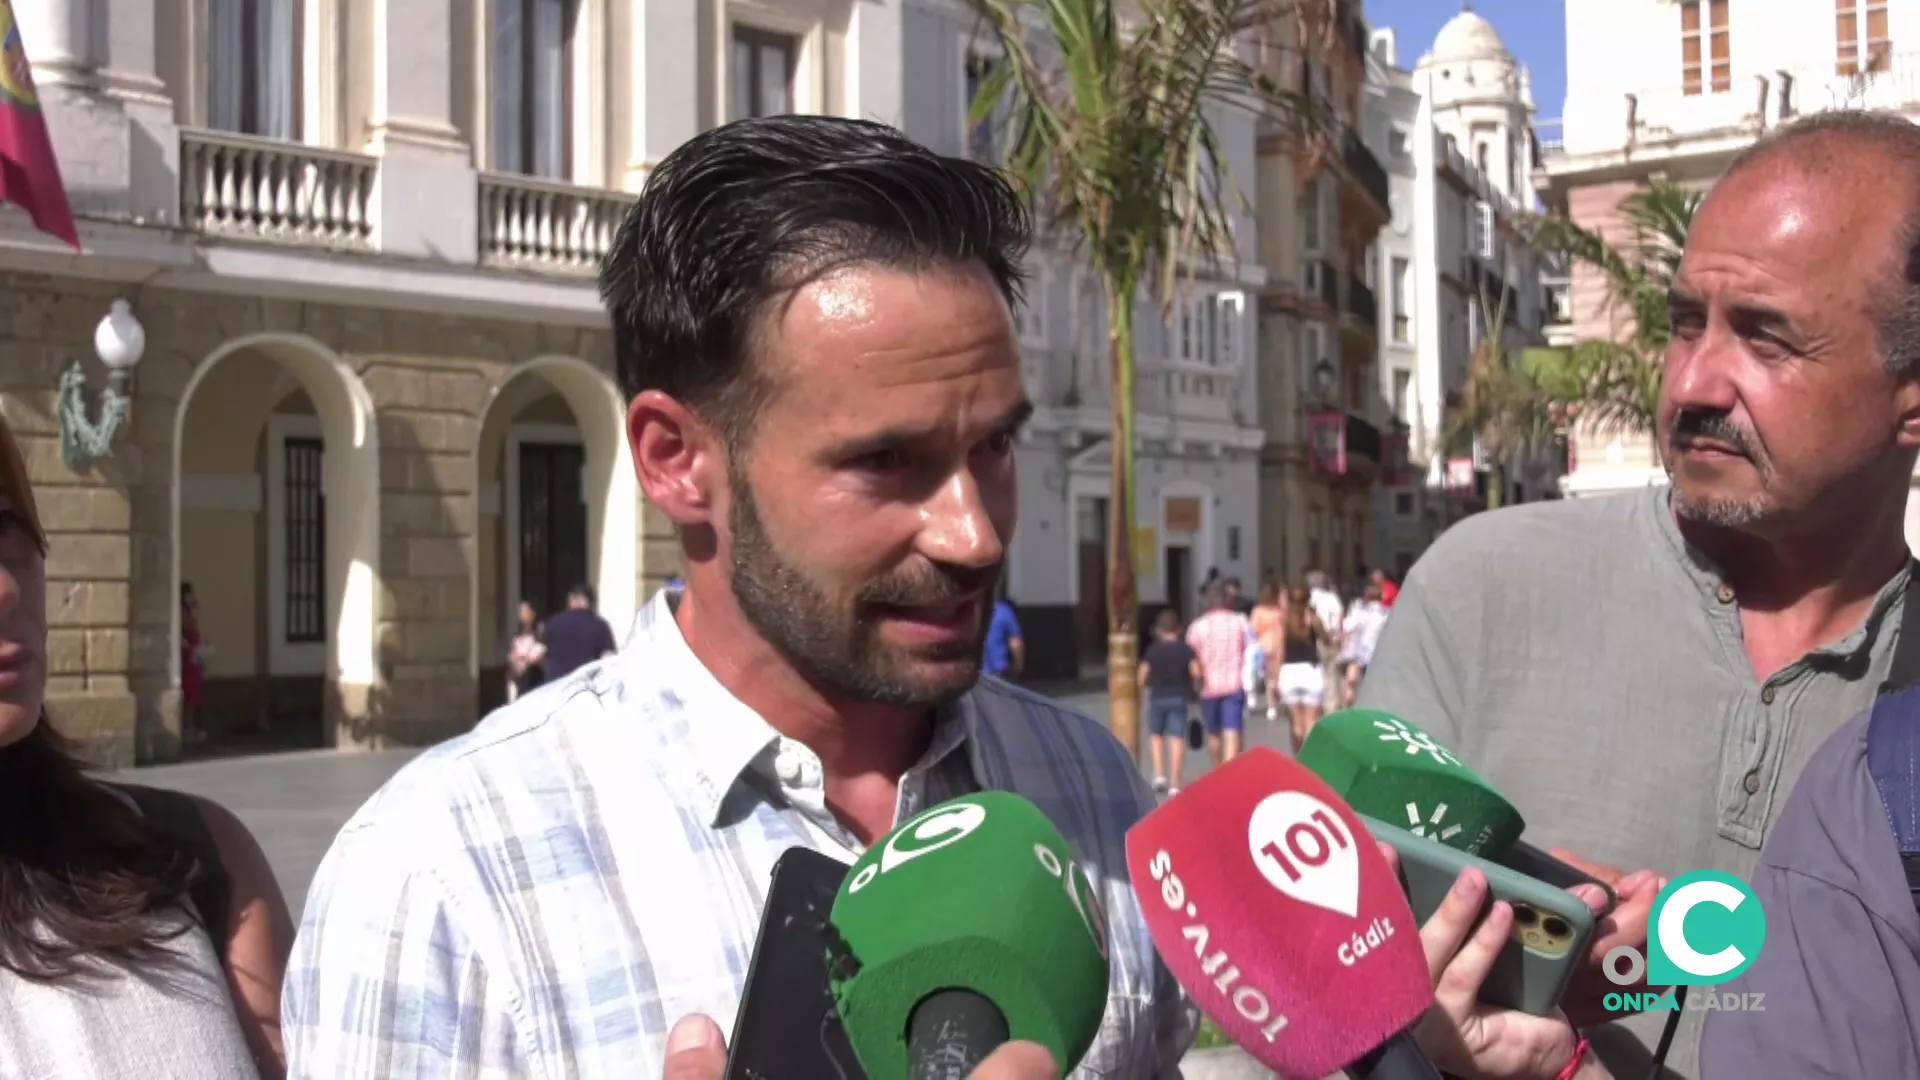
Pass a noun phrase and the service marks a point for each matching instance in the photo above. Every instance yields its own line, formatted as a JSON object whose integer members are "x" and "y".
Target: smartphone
{"x": 1540, "y": 866}
{"x": 787, "y": 1027}
{"x": 1551, "y": 926}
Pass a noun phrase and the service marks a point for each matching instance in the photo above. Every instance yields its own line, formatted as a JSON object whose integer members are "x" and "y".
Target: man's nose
{"x": 957, "y": 528}
{"x": 1699, "y": 373}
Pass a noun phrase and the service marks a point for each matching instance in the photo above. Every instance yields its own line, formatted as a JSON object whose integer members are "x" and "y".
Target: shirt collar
{"x": 1710, "y": 580}
{"x": 724, "y": 737}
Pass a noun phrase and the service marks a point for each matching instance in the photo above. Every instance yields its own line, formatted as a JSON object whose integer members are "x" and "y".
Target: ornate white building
{"x": 1460, "y": 150}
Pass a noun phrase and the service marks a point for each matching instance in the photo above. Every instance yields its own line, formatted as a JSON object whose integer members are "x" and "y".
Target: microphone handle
{"x": 951, "y": 1032}
{"x": 1399, "y": 1058}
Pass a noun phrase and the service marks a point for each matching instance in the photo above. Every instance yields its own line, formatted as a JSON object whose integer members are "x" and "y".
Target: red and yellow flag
{"x": 29, "y": 173}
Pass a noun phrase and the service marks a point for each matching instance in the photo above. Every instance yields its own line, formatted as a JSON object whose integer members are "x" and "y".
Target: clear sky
{"x": 1535, "y": 32}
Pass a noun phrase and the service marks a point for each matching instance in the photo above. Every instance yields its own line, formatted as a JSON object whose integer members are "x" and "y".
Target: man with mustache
{"x": 814, "y": 333}
{"x": 1646, "y": 675}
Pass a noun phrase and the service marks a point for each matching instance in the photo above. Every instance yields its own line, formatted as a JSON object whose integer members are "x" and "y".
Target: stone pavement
{"x": 296, "y": 802}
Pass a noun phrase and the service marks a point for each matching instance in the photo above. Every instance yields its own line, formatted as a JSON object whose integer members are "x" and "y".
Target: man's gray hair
{"x": 1898, "y": 138}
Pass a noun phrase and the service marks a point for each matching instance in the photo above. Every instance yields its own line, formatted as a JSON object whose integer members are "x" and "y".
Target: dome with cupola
{"x": 1468, "y": 36}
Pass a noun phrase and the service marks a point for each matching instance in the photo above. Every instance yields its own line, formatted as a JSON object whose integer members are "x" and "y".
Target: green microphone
{"x": 966, "y": 926}
{"x": 1387, "y": 768}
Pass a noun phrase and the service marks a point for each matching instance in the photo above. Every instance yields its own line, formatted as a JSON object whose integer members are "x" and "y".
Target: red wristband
{"x": 1573, "y": 1066}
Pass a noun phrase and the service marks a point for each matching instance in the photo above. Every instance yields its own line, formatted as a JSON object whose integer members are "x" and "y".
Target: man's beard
{"x": 1725, "y": 513}
{"x": 842, "y": 650}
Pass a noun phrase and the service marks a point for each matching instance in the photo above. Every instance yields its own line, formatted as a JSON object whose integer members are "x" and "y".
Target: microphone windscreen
{"x": 1270, "y": 903}
{"x": 979, "y": 893}
{"x": 1389, "y": 769}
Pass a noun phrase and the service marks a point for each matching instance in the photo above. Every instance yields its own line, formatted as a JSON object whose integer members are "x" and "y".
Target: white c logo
{"x": 1673, "y": 933}
{"x": 940, "y": 827}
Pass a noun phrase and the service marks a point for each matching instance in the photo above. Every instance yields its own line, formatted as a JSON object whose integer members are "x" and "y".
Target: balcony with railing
{"x": 1343, "y": 444}
{"x": 1743, "y": 105}
{"x": 1186, "y": 390}
{"x": 252, "y": 188}
{"x": 1365, "y": 168}
{"x": 534, "y": 224}
{"x": 1363, "y": 309}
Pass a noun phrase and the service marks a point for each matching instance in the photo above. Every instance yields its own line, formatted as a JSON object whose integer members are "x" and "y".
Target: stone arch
{"x": 611, "y": 489}
{"x": 350, "y": 482}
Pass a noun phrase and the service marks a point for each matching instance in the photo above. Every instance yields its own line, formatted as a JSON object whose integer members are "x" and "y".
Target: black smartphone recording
{"x": 787, "y": 1027}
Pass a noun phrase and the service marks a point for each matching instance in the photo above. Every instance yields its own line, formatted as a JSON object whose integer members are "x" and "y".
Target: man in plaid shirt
{"x": 813, "y": 327}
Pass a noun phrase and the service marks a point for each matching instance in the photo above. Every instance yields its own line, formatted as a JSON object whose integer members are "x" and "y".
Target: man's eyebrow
{"x": 1750, "y": 313}
{"x": 904, "y": 435}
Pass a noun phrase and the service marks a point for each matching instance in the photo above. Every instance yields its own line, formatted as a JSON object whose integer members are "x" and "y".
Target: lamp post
{"x": 1323, "y": 375}
{"x": 119, "y": 341}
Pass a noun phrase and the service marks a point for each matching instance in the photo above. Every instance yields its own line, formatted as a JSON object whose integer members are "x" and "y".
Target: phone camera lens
{"x": 1523, "y": 915}
{"x": 1556, "y": 926}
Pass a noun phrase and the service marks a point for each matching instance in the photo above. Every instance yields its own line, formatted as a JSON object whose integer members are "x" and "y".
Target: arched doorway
{"x": 556, "y": 503}
{"x": 276, "y": 528}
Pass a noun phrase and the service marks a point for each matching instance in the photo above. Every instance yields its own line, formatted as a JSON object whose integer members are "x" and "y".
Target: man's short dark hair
{"x": 745, "y": 212}
{"x": 1899, "y": 139}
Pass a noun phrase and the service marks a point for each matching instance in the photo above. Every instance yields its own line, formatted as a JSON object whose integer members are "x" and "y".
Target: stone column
{"x": 428, "y": 200}
{"x": 874, "y": 50}
{"x": 56, "y": 35}
{"x": 663, "y": 109}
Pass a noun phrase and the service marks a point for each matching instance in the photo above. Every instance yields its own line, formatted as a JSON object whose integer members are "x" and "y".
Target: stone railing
{"x": 266, "y": 189}
{"x": 1748, "y": 104}
{"x": 1186, "y": 390}
{"x": 535, "y": 224}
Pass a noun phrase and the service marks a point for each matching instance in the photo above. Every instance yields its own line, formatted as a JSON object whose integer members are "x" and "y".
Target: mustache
{"x": 1690, "y": 424}
{"x": 934, "y": 584}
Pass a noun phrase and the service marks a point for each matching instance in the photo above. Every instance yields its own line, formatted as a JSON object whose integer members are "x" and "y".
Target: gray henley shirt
{"x": 1589, "y": 664}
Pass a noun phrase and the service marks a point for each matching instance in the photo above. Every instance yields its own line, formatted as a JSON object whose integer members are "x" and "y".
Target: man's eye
{"x": 883, "y": 461}
{"x": 1001, "y": 443}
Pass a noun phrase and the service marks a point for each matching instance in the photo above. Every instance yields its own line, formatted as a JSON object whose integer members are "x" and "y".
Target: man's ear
{"x": 680, "y": 459}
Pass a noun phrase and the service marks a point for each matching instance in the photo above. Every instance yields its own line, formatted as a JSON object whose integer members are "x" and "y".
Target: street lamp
{"x": 119, "y": 341}
{"x": 1323, "y": 378}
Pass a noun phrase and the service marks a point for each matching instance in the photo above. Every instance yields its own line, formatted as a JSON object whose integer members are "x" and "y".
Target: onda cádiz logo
{"x": 1706, "y": 928}
{"x": 951, "y": 822}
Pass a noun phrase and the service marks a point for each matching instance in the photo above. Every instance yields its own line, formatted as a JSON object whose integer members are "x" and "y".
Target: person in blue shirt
{"x": 1006, "y": 653}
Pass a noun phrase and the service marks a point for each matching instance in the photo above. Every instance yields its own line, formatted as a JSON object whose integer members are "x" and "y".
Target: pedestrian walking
{"x": 1303, "y": 678}
{"x": 1171, "y": 677}
{"x": 1221, "y": 638}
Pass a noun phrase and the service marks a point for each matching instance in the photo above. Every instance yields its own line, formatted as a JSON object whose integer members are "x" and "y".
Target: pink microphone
{"x": 1271, "y": 905}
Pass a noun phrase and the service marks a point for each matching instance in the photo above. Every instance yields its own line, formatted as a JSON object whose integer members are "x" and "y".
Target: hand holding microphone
{"x": 968, "y": 927}
{"x": 1264, "y": 896}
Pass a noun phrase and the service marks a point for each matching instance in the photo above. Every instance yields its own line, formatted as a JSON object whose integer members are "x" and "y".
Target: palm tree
{"x": 1109, "y": 103}
{"x": 1514, "y": 403}
{"x": 1618, "y": 380}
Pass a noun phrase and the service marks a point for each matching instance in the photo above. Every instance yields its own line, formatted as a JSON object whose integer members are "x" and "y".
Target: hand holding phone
{"x": 1463, "y": 941}
{"x": 787, "y": 1027}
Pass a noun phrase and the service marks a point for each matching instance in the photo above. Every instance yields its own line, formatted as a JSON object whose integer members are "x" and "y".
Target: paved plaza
{"x": 296, "y": 802}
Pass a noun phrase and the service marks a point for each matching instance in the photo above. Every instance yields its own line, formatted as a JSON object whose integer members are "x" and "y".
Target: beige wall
{"x": 428, "y": 379}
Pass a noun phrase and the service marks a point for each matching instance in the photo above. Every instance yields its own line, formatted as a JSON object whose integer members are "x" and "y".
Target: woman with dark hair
{"x": 141, "y": 932}
{"x": 1302, "y": 683}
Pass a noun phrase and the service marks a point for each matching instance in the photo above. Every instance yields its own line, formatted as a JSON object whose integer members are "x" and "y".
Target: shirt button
{"x": 1766, "y": 695}
{"x": 1724, "y": 593}
{"x": 787, "y": 764}
{"x": 1752, "y": 783}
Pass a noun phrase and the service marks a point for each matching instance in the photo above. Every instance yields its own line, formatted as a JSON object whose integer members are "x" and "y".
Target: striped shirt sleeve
{"x": 383, "y": 982}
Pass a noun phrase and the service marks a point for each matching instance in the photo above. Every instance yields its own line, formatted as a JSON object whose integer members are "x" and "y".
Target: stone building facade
{"x": 413, "y": 412}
